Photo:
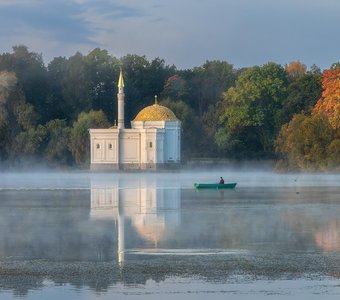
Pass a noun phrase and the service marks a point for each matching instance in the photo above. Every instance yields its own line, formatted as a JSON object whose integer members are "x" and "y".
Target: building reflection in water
{"x": 328, "y": 238}
{"x": 321, "y": 227}
{"x": 152, "y": 209}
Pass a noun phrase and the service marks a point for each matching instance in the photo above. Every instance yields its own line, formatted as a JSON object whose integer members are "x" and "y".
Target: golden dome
{"x": 155, "y": 112}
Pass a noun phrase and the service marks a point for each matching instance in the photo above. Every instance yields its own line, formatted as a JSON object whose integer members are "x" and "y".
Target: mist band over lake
{"x": 151, "y": 235}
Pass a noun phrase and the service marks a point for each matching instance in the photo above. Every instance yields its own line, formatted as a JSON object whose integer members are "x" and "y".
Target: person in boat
{"x": 221, "y": 181}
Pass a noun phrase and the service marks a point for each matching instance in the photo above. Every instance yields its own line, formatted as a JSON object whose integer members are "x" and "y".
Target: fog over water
{"x": 138, "y": 235}
{"x": 184, "y": 179}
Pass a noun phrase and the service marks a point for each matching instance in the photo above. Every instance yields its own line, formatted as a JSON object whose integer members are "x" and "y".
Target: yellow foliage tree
{"x": 295, "y": 69}
{"x": 305, "y": 142}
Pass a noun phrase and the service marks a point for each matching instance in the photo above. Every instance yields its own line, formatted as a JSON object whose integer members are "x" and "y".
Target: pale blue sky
{"x": 184, "y": 32}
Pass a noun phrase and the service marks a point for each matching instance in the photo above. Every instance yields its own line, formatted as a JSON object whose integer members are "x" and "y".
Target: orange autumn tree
{"x": 329, "y": 103}
{"x": 312, "y": 142}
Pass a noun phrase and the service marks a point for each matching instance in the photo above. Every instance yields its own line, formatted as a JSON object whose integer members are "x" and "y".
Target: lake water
{"x": 152, "y": 235}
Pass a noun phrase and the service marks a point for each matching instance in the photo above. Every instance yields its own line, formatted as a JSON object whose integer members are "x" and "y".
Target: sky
{"x": 185, "y": 33}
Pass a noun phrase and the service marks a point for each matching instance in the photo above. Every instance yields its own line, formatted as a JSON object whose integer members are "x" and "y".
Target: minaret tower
{"x": 120, "y": 97}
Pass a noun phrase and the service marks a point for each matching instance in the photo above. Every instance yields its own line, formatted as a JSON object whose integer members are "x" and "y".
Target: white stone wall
{"x": 172, "y": 142}
{"x": 150, "y": 146}
{"x": 104, "y": 146}
{"x": 129, "y": 147}
{"x": 160, "y": 146}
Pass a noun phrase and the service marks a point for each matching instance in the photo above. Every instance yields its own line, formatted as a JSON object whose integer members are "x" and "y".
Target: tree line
{"x": 289, "y": 113}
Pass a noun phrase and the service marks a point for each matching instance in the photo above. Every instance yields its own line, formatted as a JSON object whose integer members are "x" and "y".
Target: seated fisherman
{"x": 221, "y": 181}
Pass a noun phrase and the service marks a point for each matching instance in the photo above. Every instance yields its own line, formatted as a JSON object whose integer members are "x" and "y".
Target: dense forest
{"x": 289, "y": 113}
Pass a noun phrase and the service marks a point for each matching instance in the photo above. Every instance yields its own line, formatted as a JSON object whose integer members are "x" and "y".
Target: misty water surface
{"x": 149, "y": 234}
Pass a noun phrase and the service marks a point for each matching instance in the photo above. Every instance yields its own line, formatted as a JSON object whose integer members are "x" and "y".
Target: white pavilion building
{"x": 152, "y": 142}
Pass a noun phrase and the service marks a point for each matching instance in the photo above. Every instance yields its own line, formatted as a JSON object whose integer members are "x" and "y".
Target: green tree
{"x": 250, "y": 118}
{"x": 80, "y": 139}
{"x": 102, "y": 72}
{"x": 210, "y": 125}
{"x": 75, "y": 87}
{"x": 303, "y": 93}
{"x": 15, "y": 113}
{"x": 333, "y": 154}
{"x": 32, "y": 77}
{"x": 30, "y": 144}
{"x": 57, "y": 150}
{"x": 8, "y": 81}
{"x": 47, "y": 143}
{"x": 56, "y": 107}
{"x": 23, "y": 112}
{"x": 207, "y": 83}
{"x": 81, "y": 83}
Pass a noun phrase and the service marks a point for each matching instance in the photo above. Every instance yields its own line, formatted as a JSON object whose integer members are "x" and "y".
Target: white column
{"x": 120, "y": 97}
{"x": 121, "y": 233}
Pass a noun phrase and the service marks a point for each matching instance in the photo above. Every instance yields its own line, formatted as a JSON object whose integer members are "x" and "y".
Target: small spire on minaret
{"x": 156, "y": 99}
{"x": 121, "y": 80}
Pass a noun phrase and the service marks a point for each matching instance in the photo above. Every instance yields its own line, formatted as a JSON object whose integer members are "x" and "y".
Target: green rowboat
{"x": 215, "y": 185}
